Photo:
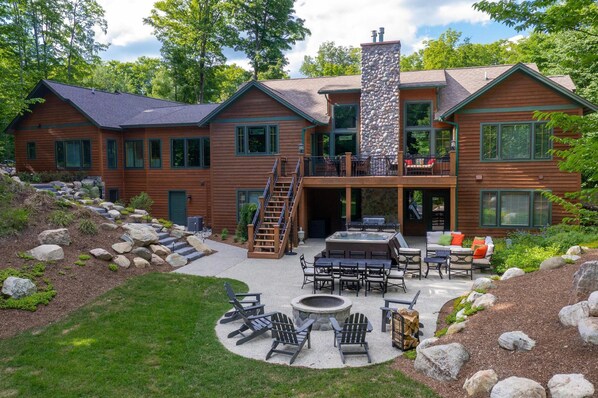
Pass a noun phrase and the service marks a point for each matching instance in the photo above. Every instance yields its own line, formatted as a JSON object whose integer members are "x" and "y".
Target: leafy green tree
{"x": 332, "y": 60}
{"x": 226, "y": 80}
{"x": 263, "y": 30}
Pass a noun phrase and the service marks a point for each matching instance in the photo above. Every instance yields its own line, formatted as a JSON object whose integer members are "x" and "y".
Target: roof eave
{"x": 340, "y": 91}
{"x": 146, "y": 125}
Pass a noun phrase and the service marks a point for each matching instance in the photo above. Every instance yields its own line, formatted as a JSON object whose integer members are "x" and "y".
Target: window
{"x": 345, "y": 117}
{"x": 516, "y": 141}
{"x": 190, "y": 152}
{"x": 420, "y": 137}
{"x": 112, "y": 154}
{"x": 134, "y": 154}
{"x": 247, "y": 196}
{"x": 418, "y": 114}
{"x": 155, "y": 154}
{"x": 514, "y": 209}
{"x": 75, "y": 154}
{"x": 257, "y": 140}
{"x": 31, "y": 151}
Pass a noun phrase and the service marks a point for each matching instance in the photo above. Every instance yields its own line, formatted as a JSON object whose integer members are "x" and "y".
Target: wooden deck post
{"x": 276, "y": 238}
{"x": 348, "y": 163}
{"x": 400, "y": 167}
{"x": 400, "y": 207}
{"x": 453, "y": 208}
{"x": 302, "y": 166}
{"x": 262, "y": 208}
{"x": 250, "y": 237}
{"x": 453, "y": 163}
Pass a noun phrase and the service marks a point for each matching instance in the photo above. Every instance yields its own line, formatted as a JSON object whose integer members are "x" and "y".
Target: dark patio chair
{"x": 336, "y": 254}
{"x": 396, "y": 277}
{"x": 410, "y": 261}
{"x": 254, "y": 325}
{"x": 308, "y": 271}
{"x": 349, "y": 276}
{"x": 379, "y": 255}
{"x": 352, "y": 333}
{"x": 324, "y": 276}
{"x": 461, "y": 262}
{"x": 357, "y": 254}
{"x": 249, "y": 301}
{"x": 284, "y": 332}
{"x": 330, "y": 167}
{"x": 387, "y": 309}
{"x": 376, "y": 275}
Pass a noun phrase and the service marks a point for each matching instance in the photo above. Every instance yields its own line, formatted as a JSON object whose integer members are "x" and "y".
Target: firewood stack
{"x": 405, "y": 329}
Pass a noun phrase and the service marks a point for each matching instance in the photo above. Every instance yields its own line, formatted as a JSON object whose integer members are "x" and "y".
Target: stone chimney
{"x": 380, "y": 77}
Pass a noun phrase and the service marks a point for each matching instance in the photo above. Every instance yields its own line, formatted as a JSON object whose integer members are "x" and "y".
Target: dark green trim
{"x": 62, "y": 142}
{"x": 108, "y": 140}
{"x": 517, "y": 109}
{"x": 202, "y": 141}
{"x": 149, "y": 152}
{"x": 499, "y": 192}
{"x": 31, "y": 155}
{"x": 55, "y": 126}
{"x": 532, "y": 137}
{"x": 265, "y": 120}
{"x": 530, "y": 72}
{"x": 245, "y": 153}
{"x": 266, "y": 91}
{"x": 142, "y": 155}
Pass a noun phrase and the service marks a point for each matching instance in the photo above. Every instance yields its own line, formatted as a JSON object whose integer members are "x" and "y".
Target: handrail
{"x": 282, "y": 213}
{"x": 291, "y": 190}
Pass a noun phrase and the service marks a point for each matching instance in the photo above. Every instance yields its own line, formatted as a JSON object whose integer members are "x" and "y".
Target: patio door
{"x": 439, "y": 211}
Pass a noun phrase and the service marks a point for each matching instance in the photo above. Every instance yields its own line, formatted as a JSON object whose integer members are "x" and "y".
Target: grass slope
{"x": 154, "y": 336}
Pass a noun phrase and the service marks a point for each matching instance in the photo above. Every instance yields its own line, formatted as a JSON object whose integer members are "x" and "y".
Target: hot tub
{"x": 320, "y": 307}
{"x": 365, "y": 241}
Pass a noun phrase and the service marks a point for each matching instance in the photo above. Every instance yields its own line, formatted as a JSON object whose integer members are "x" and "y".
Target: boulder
{"x": 136, "y": 217}
{"x": 77, "y": 184}
{"x": 121, "y": 261}
{"x": 47, "y": 253}
{"x": 127, "y": 238}
{"x": 160, "y": 250}
{"x": 122, "y": 247}
{"x": 59, "y": 236}
{"x": 585, "y": 280}
{"x": 18, "y": 288}
{"x": 177, "y": 233}
{"x": 143, "y": 253}
{"x": 485, "y": 301}
{"x": 570, "y": 386}
{"x": 553, "y": 263}
{"x": 156, "y": 260}
{"x": 473, "y": 296}
{"x": 512, "y": 273}
{"x": 141, "y": 212}
{"x": 481, "y": 382}
{"x": 101, "y": 254}
{"x": 570, "y": 257}
{"x": 108, "y": 226}
{"x": 593, "y": 304}
{"x": 118, "y": 207}
{"x": 140, "y": 262}
{"x": 114, "y": 214}
{"x": 456, "y": 328}
{"x": 142, "y": 234}
{"x": 516, "y": 341}
{"x": 460, "y": 316}
{"x": 574, "y": 251}
{"x": 107, "y": 205}
{"x": 441, "y": 362}
{"x": 588, "y": 330}
{"x": 176, "y": 260}
{"x": 483, "y": 284}
{"x": 199, "y": 245}
{"x": 518, "y": 387}
{"x": 570, "y": 315}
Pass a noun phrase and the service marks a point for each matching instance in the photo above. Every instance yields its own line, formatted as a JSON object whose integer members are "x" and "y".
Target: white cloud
{"x": 125, "y": 21}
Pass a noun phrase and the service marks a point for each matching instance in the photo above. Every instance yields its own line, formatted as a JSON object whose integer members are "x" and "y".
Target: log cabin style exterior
{"x": 454, "y": 149}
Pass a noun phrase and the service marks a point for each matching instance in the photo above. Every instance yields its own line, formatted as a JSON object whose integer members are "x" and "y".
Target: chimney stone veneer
{"x": 379, "y": 108}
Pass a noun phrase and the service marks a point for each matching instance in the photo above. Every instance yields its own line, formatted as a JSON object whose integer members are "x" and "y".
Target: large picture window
{"x": 112, "y": 154}
{"x": 345, "y": 117}
{"x": 190, "y": 152}
{"x": 514, "y": 209}
{"x": 420, "y": 137}
{"x": 134, "y": 154}
{"x": 515, "y": 141}
{"x": 73, "y": 154}
{"x": 257, "y": 140}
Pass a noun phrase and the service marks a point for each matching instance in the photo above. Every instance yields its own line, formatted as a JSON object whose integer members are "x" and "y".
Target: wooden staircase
{"x": 276, "y": 216}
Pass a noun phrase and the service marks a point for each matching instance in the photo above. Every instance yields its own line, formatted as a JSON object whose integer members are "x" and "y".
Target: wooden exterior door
{"x": 177, "y": 207}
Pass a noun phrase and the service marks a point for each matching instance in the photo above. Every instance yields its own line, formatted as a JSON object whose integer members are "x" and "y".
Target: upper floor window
{"x": 155, "y": 153}
{"x": 516, "y": 141}
{"x": 190, "y": 152}
{"x": 345, "y": 117}
{"x": 111, "y": 153}
{"x": 73, "y": 154}
{"x": 134, "y": 154}
{"x": 257, "y": 140}
{"x": 514, "y": 209}
{"x": 418, "y": 114}
{"x": 31, "y": 151}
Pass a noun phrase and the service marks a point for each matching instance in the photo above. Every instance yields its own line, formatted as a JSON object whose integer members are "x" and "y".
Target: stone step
{"x": 167, "y": 241}
{"x": 194, "y": 256}
{"x": 178, "y": 245}
{"x": 162, "y": 235}
{"x": 185, "y": 250}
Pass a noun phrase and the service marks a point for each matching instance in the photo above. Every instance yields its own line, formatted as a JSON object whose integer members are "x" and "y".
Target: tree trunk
{"x": 70, "y": 53}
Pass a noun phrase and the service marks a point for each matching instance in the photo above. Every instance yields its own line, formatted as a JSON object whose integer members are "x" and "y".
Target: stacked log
{"x": 405, "y": 329}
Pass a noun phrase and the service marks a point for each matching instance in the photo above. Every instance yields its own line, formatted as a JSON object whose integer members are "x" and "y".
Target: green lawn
{"x": 154, "y": 337}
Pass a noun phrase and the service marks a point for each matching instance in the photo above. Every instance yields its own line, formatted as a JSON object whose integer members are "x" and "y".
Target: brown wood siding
{"x": 113, "y": 178}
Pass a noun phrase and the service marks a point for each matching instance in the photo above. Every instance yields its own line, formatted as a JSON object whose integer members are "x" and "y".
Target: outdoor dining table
{"x": 359, "y": 263}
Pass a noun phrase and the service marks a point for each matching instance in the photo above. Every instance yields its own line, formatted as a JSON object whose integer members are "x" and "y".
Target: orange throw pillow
{"x": 409, "y": 162}
{"x": 431, "y": 161}
{"x": 457, "y": 239}
{"x": 480, "y": 252}
{"x": 477, "y": 242}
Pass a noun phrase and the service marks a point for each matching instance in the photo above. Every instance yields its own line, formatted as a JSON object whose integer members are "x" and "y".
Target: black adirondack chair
{"x": 284, "y": 332}
{"x": 253, "y": 325}
{"x": 387, "y": 309}
{"x": 249, "y": 301}
{"x": 352, "y": 333}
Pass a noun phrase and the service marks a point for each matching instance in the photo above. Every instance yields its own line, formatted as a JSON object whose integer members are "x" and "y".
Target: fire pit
{"x": 320, "y": 307}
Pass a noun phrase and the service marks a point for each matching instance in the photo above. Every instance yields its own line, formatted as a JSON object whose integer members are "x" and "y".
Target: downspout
{"x": 456, "y": 125}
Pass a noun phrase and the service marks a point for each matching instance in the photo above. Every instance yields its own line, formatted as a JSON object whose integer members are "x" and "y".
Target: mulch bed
{"x": 75, "y": 285}
{"x": 529, "y": 303}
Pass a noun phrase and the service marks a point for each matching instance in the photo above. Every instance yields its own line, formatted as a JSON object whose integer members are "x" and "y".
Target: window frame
{"x": 31, "y": 145}
{"x": 245, "y": 142}
{"x": 82, "y": 165}
{"x": 247, "y": 192}
{"x": 202, "y": 160}
{"x": 346, "y": 129}
{"x": 532, "y": 142}
{"x": 433, "y": 132}
{"x": 142, "y": 154}
{"x": 532, "y": 224}
{"x": 108, "y": 165}
{"x": 149, "y": 152}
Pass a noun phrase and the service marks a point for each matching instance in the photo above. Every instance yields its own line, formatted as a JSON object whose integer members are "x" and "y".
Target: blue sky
{"x": 346, "y": 22}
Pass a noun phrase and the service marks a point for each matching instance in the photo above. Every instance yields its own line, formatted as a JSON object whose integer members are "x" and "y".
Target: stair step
{"x": 185, "y": 250}
{"x": 167, "y": 241}
{"x": 178, "y": 245}
{"x": 162, "y": 235}
{"x": 194, "y": 256}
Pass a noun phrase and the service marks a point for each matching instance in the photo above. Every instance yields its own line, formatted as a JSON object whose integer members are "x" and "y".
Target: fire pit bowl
{"x": 320, "y": 307}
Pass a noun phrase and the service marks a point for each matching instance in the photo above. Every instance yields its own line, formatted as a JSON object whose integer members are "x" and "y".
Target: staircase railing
{"x": 289, "y": 210}
{"x": 263, "y": 200}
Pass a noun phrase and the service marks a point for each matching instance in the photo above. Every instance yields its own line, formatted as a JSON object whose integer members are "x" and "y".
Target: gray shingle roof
{"x": 186, "y": 115}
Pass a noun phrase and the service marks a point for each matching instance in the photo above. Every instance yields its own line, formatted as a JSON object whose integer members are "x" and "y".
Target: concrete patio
{"x": 280, "y": 281}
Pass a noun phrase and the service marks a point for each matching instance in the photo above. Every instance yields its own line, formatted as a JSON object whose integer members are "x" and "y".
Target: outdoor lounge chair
{"x": 352, "y": 333}
{"x": 254, "y": 325}
{"x": 308, "y": 271}
{"x": 249, "y": 301}
{"x": 284, "y": 332}
{"x": 461, "y": 262}
{"x": 396, "y": 277}
{"x": 387, "y": 309}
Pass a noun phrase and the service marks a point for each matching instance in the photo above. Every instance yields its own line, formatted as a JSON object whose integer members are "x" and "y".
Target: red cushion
{"x": 431, "y": 161}
{"x": 408, "y": 162}
{"x": 480, "y": 252}
{"x": 457, "y": 239}
{"x": 477, "y": 242}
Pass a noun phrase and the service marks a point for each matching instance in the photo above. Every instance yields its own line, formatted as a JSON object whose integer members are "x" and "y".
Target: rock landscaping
{"x": 516, "y": 341}
{"x": 518, "y": 387}
{"x": 18, "y": 288}
{"x": 47, "y": 253}
{"x": 570, "y": 386}
{"x": 440, "y": 362}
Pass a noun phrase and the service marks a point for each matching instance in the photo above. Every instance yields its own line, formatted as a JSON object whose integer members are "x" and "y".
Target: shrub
{"x": 166, "y": 223}
{"x": 61, "y": 218}
{"x": 141, "y": 201}
{"x": 25, "y": 256}
{"x": 90, "y": 191}
{"x": 84, "y": 257}
{"x": 130, "y": 209}
{"x": 63, "y": 204}
{"x": 13, "y": 220}
{"x": 113, "y": 267}
{"x": 80, "y": 263}
{"x": 528, "y": 258}
{"x": 49, "y": 176}
{"x": 245, "y": 218}
{"x": 147, "y": 218}
{"x": 224, "y": 234}
{"x": 411, "y": 354}
{"x": 125, "y": 212}
{"x": 88, "y": 227}
{"x": 45, "y": 291}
